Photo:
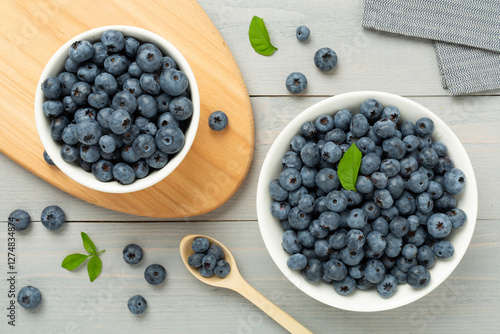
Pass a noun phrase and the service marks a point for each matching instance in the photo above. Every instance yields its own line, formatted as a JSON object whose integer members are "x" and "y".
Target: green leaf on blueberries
{"x": 94, "y": 267}
{"x": 88, "y": 244}
{"x": 72, "y": 261}
{"x": 259, "y": 37}
{"x": 349, "y": 167}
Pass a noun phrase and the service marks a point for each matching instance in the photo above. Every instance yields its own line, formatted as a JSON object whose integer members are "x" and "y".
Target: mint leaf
{"x": 349, "y": 167}
{"x": 72, "y": 261}
{"x": 88, "y": 244}
{"x": 94, "y": 267}
{"x": 259, "y": 37}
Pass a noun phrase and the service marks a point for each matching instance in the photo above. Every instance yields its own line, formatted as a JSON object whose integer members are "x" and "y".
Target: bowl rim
{"x": 269, "y": 226}
{"x": 53, "y": 67}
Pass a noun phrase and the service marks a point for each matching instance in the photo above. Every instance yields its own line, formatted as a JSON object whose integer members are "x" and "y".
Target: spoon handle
{"x": 280, "y": 316}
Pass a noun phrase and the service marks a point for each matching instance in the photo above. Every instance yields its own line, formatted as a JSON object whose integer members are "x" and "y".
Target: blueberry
{"x": 277, "y": 192}
{"x": 374, "y": 271}
{"x": 216, "y": 251}
{"x": 131, "y": 46}
{"x": 29, "y": 297}
{"x": 443, "y": 249}
{"x": 308, "y": 175}
{"x": 336, "y": 201}
{"x": 306, "y": 203}
{"x": 418, "y": 277}
{"x": 137, "y": 304}
{"x": 352, "y": 257}
{"x": 69, "y": 153}
{"x": 394, "y": 148}
{"x": 457, "y": 217}
{"x": 133, "y": 86}
{"x": 335, "y": 269}
{"x": 364, "y": 184}
{"x": 123, "y": 173}
{"x": 116, "y": 64}
{"x": 376, "y": 241}
{"x": 53, "y": 217}
{"x": 424, "y": 127}
{"x": 290, "y": 242}
{"x": 425, "y": 256}
{"x": 290, "y": 179}
{"x": 222, "y": 268}
{"x": 120, "y": 121}
{"x": 132, "y": 254}
{"x": 390, "y": 167}
{"x": 150, "y": 83}
{"x": 107, "y": 144}
{"x": 113, "y": 40}
{"x": 407, "y": 128}
{"x": 310, "y": 154}
{"x": 381, "y": 225}
{"x": 141, "y": 169}
{"x": 155, "y": 274}
{"x": 425, "y": 203}
{"x": 149, "y": 58}
{"x": 217, "y": 121}
{"x": 90, "y": 153}
{"x": 439, "y": 225}
{"x": 413, "y": 223}
{"x": 313, "y": 271}
{"x": 359, "y": 125}
{"x": 370, "y": 163}
{"x": 66, "y": 80}
{"x": 394, "y": 245}
{"x": 206, "y": 272}
{"x": 169, "y": 139}
{"x": 297, "y": 261}
{"x": 19, "y": 219}
{"x": 181, "y": 108}
{"x": 87, "y": 72}
{"x": 363, "y": 284}
{"x": 144, "y": 145}
{"x": 80, "y": 91}
{"x": 194, "y": 260}
{"x": 85, "y": 114}
{"x": 306, "y": 238}
{"x": 173, "y": 82}
{"x": 291, "y": 159}
{"x": 325, "y": 59}
{"x": 146, "y": 106}
{"x": 106, "y": 82}
{"x": 302, "y": 33}
{"x": 98, "y": 99}
{"x": 454, "y": 181}
{"x": 445, "y": 203}
{"x": 103, "y": 170}
{"x": 355, "y": 239}
{"x": 338, "y": 239}
{"x": 384, "y": 128}
{"x": 371, "y": 109}
{"x": 327, "y": 180}
{"x": 354, "y": 198}
{"x": 81, "y": 51}
{"x": 157, "y": 160}
{"x": 391, "y": 113}
{"x": 331, "y": 152}
{"x": 379, "y": 180}
{"x": 298, "y": 219}
{"x": 387, "y": 287}
{"x": 209, "y": 262}
{"x": 69, "y": 105}
{"x": 134, "y": 70}
{"x": 57, "y": 126}
{"x": 200, "y": 245}
{"x": 418, "y": 182}
{"x": 308, "y": 130}
{"x": 122, "y": 78}
{"x": 71, "y": 66}
{"x": 47, "y": 158}
{"x": 317, "y": 230}
{"x": 296, "y": 82}
{"x": 409, "y": 251}
{"x": 124, "y": 100}
{"x": 100, "y": 53}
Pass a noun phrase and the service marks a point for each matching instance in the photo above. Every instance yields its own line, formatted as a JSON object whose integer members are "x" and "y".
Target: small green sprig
{"x": 94, "y": 265}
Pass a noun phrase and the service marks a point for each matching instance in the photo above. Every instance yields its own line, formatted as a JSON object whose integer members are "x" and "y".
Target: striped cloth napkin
{"x": 466, "y": 35}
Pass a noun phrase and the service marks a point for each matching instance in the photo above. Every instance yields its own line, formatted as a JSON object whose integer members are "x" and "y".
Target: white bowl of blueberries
{"x": 117, "y": 108}
{"x": 367, "y": 201}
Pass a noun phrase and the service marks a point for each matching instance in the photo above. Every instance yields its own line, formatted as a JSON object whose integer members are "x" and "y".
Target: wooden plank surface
{"x": 217, "y": 162}
{"x": 468, "y": 301}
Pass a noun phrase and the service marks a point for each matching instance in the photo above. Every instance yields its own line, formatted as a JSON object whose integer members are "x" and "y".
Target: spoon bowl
{"x": 236, "y": 282}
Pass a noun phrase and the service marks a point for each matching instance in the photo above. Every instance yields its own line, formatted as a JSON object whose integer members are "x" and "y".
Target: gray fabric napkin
{"x": 466, "y": 36}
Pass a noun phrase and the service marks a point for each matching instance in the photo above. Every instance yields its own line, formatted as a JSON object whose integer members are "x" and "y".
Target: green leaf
{"x": 88, "y": 244}
{"x": 259, "y": 37}
{"x": 349, "y": 167}
{"x": 94, "y": 267}
{"x": 72, "y": 261}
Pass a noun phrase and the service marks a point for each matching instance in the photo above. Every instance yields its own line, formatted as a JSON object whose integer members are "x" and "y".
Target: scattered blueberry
{"x": 302, "y": 33}
{"x": 137, "y": 304}
{"x": 132, "y": 254}
{"x": 325, "y": 59}
{"x": 53, "y": 217}
{"x": 20, "y": 219}
{"x": 29, "y": 297}
{"x": 217, "y": 121}
{"x": 296, "y": 82}
{"x": 155, "y": 274}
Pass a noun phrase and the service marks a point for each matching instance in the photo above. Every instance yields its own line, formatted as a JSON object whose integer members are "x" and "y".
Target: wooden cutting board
{"x": 216, "y": 165}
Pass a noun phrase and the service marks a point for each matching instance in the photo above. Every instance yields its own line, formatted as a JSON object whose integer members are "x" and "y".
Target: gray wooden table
{"x": 469, "y": 301}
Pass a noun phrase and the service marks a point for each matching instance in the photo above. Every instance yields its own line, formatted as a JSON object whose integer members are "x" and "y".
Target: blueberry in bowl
{"x": 381, "y": 239}
{"x": 99, "y": 103}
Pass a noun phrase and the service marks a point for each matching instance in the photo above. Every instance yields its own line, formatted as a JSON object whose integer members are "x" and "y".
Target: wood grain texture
{"x": 217, "y": 163}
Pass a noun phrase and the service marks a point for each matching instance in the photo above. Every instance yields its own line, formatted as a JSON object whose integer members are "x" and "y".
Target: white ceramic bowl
{"x": 56, "y": 65}
{"x": 365, "y": 301}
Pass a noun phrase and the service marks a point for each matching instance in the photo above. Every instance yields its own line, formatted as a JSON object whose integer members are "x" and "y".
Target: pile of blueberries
{"x": 393, "y": 227}
{"x": 209, "y": 259}
{"x": 120, "y": 108}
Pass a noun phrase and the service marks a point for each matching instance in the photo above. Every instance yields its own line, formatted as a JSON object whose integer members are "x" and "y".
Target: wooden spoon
{"x": 236, "y": 282}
